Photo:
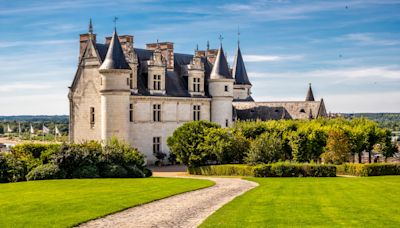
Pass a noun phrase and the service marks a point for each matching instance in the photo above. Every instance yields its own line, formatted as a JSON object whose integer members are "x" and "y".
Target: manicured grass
{"x": 314, "y": 202}
{"x": 64, "y": 203}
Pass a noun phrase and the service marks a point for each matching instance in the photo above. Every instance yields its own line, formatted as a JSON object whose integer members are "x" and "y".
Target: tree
{"x": 385, "y": 145}
{"x": 338, "y": 148}
{"x": 267, "y": 148}
{"x": 225, "y": 146}
{"x": 186, "y": 143}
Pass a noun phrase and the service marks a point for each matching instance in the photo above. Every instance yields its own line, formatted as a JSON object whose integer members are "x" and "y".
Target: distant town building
{"x": 143, "y": 95}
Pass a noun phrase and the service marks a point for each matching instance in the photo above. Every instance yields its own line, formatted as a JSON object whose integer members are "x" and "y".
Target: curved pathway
{"x": 185, "y": 210}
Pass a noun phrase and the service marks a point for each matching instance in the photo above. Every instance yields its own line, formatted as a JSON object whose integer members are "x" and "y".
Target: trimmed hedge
{"x": 267, "y": 170}
{"x": 375, "y": 169}
{"x": 294, "y": 170}
{"x": 223, "y": 170}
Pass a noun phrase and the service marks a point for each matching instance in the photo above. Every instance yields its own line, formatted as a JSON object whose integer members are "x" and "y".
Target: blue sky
{"x": 348, "y": 50}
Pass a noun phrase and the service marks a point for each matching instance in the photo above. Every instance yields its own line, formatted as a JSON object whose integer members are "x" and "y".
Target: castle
{"x": 143, "y": 95}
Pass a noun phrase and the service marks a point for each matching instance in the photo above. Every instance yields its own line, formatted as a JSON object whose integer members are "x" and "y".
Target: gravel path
{"x": 185, "y": 210}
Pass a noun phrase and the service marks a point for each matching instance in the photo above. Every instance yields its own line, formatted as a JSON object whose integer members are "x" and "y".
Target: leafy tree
{"x": 225, "y": 146}
{"x": 186, "y": 143}
{"x": 267, "y": 148}
{"x": 338, "y": 148}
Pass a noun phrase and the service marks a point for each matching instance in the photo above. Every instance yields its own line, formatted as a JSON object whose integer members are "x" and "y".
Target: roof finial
{"x": 158, "y": 44}
{"x": 208, "y": 45}
{"x": 197, "y": 47}
{"x": 220, "y": 39}
{"x": 115, "y": 22}
{"x": 90, "y": 26}
{"x": 238, "y": 33}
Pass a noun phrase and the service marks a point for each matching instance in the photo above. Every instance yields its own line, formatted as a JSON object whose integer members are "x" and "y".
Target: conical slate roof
{"x": 239, "y": 70}
{"x": 310, "y": 95}
{"x": 115, "y": 58}
{"x": 220, "y": 69}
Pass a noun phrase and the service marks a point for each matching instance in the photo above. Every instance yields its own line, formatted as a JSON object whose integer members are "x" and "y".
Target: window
{"x": 226, "y": 123}
{"x": 131, "y": 81}
{"x": 196, "y": 112}
{"x": 92, "y": 117}
{"x": 127, "y": 81}
{"x": 196, "y": 84}
{"x": 156, "y": 144}
{"x": 302, "y": 110}
{"x": 157, "y": 82}
{"x": 131, "y": 112}
{"x": 156, "y": 112}
{"x": 226, "y": 88}
{"x": 101, "y": 81}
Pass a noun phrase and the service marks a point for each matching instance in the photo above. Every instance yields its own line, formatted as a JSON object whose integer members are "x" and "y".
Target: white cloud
{"x": 378, "y": 73}
{"x": 270, "y": 58}
{"x": 23, "y": 86}
{"x": 16, "y": 43}
{"x": 368, "y": 39}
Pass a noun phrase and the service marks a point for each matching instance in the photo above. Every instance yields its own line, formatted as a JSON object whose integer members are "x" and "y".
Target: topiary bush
{"x": 45, "y": 172}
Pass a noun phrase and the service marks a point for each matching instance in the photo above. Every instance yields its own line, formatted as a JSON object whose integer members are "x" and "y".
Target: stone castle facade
{"x": 143, "y": 95}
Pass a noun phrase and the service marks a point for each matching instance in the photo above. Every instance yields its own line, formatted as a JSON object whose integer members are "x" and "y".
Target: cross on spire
{"x": 115, "y": 22}
{"x": 238, "y": 33}
{"x": 220, "y": 38}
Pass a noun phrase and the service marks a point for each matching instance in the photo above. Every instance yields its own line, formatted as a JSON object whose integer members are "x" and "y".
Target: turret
{"x": 115, "y": 92}
{"x": 310, "y": 94}
{"x": 242, "y": 86}
{"x": 221, "y": 90}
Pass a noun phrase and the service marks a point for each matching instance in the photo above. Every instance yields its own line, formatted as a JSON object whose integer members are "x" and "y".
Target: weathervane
{"x": 220, "y": 38}
{"x": 115, "y": 22}
{"x": 238, "y": 33}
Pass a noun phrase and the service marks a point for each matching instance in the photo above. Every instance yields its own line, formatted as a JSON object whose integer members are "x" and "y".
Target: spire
{"x": 90, "y": 26}
{"x": 310, "y": 95}
{"x": 239, "y": 70}
{"x": 115, "y": 58}
{"x": 220, "y": 69}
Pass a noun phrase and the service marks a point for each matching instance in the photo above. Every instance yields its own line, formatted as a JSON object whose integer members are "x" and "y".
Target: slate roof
{"x": 221, "y": 68}
{"x": 279, "y": 110}
{"x": 239, "y": 69}
{"x": 176, "y": 83}
{"x": 115, "y": 58}
{"x": 310, "y": 94}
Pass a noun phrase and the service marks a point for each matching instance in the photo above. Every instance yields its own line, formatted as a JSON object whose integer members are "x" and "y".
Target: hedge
{"x": 375, "y": 169}
{"x": 294, "y": 170}
{"x": 223, "y": 170}
{"x": 267, "y": 170}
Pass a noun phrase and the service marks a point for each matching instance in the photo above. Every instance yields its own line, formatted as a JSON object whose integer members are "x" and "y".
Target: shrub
{"x": 222, "y": 170}
{"x": 294, "y": 170}
{"x": 113, "y": 170}
{"x": 88, "y": 171}
{"x": 74, "y": 156}
{"x": 118, "y": 159}
{"x": 186, "y": 142}
{"x": 376, "y": 169}
{"x": 44, "y": 172}
{"x": 266, "y": 148}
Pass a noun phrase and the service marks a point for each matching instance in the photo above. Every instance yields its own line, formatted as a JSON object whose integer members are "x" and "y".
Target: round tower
{"x": 220, "y": 87}
{"x": 115, "y": 92}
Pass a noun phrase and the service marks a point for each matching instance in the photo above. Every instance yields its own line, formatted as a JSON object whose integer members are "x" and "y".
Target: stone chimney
{"x": 83, "y": 38}
{"x": 210, "y": 53}
{"x": 167, "y": 51}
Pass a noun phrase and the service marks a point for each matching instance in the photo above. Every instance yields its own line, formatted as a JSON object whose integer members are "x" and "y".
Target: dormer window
{"x": 196, "y": 84}
{"x": 157, "y": 82}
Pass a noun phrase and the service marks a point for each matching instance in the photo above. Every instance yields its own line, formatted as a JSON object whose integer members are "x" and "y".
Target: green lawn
{"x": 64, "y": 203}
{"x": 314, "y": 202}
